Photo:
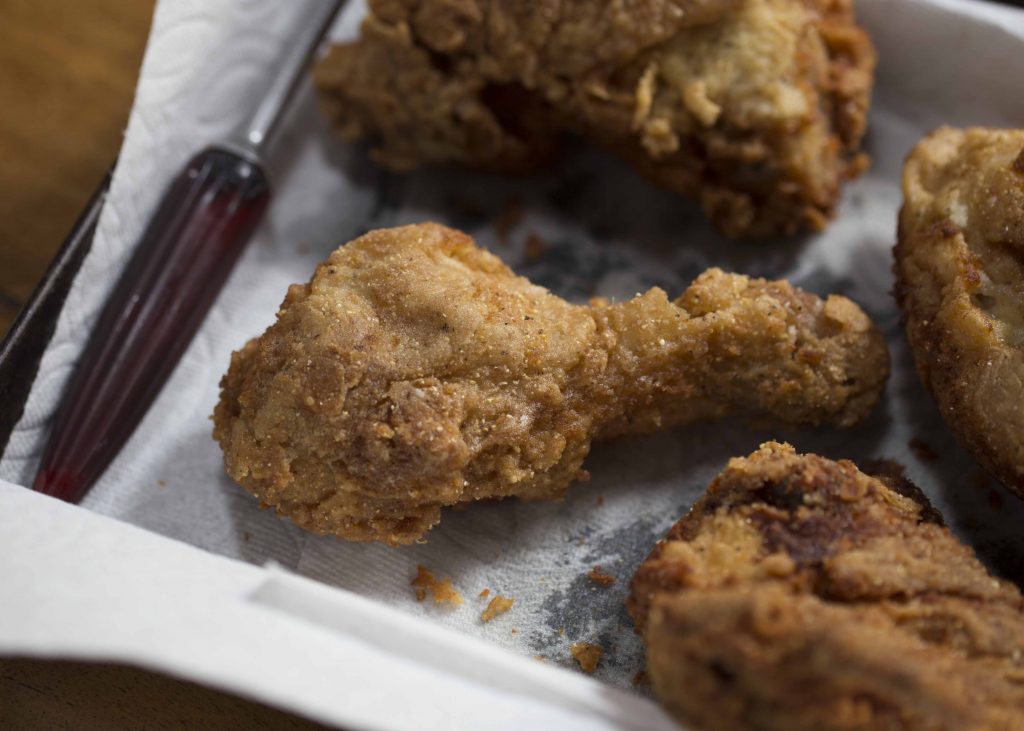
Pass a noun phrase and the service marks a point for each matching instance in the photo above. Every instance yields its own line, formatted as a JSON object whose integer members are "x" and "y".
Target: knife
{"x": 189, "y": 247}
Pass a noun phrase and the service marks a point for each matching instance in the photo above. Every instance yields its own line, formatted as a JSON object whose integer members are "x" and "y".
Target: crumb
{"x": 600, "y": 501}
{"x": 515, "y": 631}
{"x": 922, "y": 451}
{"x": 484, "y": 594}
{"x": 587, "y": 655}
{"x": 600, "y": 577}
{"x": 246, "y": 536}
{"x": 641, "y": 678}
{"x": 161, "y": 483}
{"x": 540, "y": 658}
{"x": 581, "y": 542}
{"x": 535, "y": 247}
{"x": 510, "y": 217}
{"x": 499, "y": 605}
{"x": 442, "y": 591}
{"x": 561, "y": 631}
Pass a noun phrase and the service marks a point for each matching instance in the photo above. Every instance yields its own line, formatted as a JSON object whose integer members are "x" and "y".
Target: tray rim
{"x": 23, "y": 346}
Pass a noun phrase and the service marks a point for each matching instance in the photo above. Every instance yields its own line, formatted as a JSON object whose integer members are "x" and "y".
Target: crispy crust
{"x": 959, "y": 267}
{"x": 754, "y": 107}
{"x": 417, "y": 371}
{"x": 800, "y": 593}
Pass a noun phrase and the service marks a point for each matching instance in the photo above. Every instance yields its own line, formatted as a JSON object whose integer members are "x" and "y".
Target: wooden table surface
{"x": 67, "y": 75}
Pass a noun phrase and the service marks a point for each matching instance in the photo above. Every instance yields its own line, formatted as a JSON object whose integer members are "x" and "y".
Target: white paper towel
{"x": 941, "y": 62}
{"x": 138, "y": 598}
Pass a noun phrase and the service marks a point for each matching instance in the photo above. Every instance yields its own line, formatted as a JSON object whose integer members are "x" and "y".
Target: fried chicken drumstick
{"x": 800, "y": 594}
{"x": 416, "y": 371}
{"x": 960, "y": 282}
{"x": 754, "y": 107}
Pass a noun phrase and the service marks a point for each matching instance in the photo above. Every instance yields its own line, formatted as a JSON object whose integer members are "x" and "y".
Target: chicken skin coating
{"x": 801, "y": 594}
{"x": 960, "y": 283}
{"x": 417, "y": 371}
{"x": 756, "y": 108}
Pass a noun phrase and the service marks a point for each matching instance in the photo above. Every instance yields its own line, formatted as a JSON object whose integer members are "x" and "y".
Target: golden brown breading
{"x": 802, "y": 594}
{"x": 960, "y": 282}
{"x": 755, "y": 107}
{"x": 417, "y": 371}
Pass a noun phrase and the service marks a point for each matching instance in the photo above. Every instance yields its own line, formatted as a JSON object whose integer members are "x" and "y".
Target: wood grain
{"x": 37, "y": 694}
{"x": 67, "y": 77}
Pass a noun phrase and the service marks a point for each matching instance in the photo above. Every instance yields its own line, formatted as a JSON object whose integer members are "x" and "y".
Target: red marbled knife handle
{"x": 190, "y": 246}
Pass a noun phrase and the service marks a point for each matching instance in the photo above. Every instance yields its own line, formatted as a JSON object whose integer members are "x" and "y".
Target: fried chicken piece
{"x": 754, "y": 107}
{"x": 960, "y": 282}
{"x": 417, "y": 371}
{"x": 800, "y": 593}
